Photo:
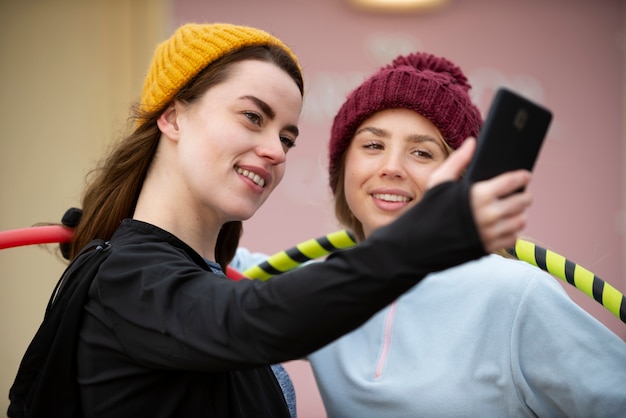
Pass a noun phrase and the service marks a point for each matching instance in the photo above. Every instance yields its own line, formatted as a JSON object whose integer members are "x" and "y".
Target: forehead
{"x": 390, "y": 116}
{"x": 400, "y": 122}
{"x": 259, "y": 73}
{"x": 260, "y": 79}
{"x": 262, "y": 76}
{"x": 404, "y": 124}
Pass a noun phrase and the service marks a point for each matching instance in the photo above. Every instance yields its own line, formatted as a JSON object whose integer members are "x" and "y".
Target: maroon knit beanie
{"x": 432, "y": 86}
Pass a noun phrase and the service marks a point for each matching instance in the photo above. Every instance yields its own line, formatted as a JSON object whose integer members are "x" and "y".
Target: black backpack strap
{"x": 79, "y": 260}
{"x": 46, "y": 379}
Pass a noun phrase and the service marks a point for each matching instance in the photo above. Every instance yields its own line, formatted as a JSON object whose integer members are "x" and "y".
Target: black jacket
{"x": 163, "y": 336}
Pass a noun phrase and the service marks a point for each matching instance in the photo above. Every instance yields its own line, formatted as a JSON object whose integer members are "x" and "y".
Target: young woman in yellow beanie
{"x": 145, "y": 323}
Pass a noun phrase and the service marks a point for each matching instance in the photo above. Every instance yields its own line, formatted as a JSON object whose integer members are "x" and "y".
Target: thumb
{"x": 452, "y": 169}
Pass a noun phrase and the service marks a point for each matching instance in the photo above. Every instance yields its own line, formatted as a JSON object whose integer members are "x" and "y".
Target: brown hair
{"x": 114, "y": 189}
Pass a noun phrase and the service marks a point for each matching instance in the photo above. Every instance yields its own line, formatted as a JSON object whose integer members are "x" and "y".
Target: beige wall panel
{"x": 68, "y": 72}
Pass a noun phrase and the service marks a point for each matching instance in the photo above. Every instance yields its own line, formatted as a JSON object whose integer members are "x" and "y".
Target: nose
{"x": 392, "y": 166}
{"x": 272, "y": 148}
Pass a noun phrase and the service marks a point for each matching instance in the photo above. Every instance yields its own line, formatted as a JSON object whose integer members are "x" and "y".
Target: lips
{"x": 257, "y": 179}
{"x": 389, "y": 197}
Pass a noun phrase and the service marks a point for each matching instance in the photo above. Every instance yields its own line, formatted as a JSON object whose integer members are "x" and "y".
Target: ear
{"x": 168, "y": 122}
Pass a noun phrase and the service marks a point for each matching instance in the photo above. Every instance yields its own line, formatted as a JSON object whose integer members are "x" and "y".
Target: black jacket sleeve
{"x": 335, "y": 296}
{"x": 170, "y": 315}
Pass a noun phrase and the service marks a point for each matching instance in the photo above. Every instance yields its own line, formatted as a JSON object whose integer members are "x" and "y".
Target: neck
{"x": 163, "y": 201}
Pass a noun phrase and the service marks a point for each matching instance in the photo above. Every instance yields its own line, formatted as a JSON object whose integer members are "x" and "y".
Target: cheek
{"x": 194, "y": 158}
{"x": 356, "y": 171}
{"x": 280, "y": 173}
{"x": 421, "y": 175}
{"x": 351, "y": 182}
{"x": 351, "y": 191}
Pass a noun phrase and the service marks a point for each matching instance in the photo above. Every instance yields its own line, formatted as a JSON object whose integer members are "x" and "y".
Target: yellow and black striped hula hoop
{"x": 574, "y": 274}
{"x": 308, "y": 250}
{"x": 547, "y": 260}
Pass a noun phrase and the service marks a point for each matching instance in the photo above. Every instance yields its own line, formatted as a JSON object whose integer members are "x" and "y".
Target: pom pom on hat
{"x": 431, "y": 86}
{"x": 188, "y": 51}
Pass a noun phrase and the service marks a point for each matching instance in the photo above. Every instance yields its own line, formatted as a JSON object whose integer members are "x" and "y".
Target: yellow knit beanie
{"x": 188, "y": 51}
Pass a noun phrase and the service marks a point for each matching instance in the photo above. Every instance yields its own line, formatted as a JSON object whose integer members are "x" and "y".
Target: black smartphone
{"x": 510, "y": 138}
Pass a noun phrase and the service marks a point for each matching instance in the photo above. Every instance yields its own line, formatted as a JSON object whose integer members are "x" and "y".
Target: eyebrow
{"x": 267, "y": 109}
{"x": 386, "y": 134}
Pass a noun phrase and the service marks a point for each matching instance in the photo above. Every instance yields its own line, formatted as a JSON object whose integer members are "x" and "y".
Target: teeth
{"x": 252, "y": 176}
{"x": 392, "y": 197}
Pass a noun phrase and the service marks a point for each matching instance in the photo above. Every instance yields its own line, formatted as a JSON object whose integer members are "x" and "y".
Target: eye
{"x": 373, "y": 145}
{"x": 421, "y": 153}
{"x": 287, "y": 142}
{"x": 254, "y": 117}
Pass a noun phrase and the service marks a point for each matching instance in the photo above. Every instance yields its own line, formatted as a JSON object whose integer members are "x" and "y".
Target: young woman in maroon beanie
{"x": 494, "y": 337}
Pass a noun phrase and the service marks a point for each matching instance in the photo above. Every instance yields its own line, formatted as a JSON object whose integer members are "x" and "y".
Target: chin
{"x": 382, "y": 223}
{"x": 244, "y": 215}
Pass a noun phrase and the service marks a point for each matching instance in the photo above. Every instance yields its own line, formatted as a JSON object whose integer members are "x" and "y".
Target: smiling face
{"x": 231, "y": 144}
{"x": 387, "y": 165}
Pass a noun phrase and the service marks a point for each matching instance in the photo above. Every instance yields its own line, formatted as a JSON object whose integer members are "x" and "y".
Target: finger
{"x": 491, "y": 210}
{"x": 515, "y": 204}
{"x": 454, "y": 166}
{"x": 504, "y": 233}
{"x": 501, "y": 244}
{"x": 500, "y": 220}
{"x": 505, "y": 184}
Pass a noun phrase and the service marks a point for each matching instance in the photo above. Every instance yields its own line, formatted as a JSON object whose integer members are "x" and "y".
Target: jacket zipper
{"x": 382, "y": 359}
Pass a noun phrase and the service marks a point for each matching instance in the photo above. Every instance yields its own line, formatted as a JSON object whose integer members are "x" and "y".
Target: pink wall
{"x": 567, "y": 54}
